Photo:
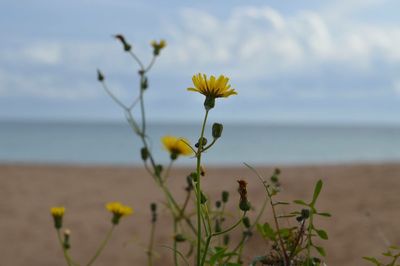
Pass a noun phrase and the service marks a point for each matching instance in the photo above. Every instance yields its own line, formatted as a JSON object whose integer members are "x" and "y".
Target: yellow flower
{"x": 57, "y": 211}
{"x": 214, "y": 88}
{"x": 157, "y": 46}
{"x": 176, "y": 146}
{"x": 118, "y": 210}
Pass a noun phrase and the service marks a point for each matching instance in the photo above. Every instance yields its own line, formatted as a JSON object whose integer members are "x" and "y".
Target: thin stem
{"x": 175, "y": 243}
{"x": 116, "y": 100}
{"x": 67, "y": 258}
{"x": 198, "y": 190}
{"x": 297, "y": 241}
{"x": 137, "y": 60}
{"x": 153, "y": 60}
{"x": 151, "y": 244}
{"x": 217, "y": 234}
{"x": 287, "y": 262}
{"x": 309, "y": 229}
{"x": 209, "y": 146}
{"x": 166, "y": 175}
{"x": 102, "y": 245}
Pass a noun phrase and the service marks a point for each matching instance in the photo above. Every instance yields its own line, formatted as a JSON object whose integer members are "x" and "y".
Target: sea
{"x": 114, "y": 143}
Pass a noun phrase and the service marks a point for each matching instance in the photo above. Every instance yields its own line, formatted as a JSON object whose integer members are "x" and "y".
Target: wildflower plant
{"x": 117, "y": 209}
{"x": 206, "y": 232}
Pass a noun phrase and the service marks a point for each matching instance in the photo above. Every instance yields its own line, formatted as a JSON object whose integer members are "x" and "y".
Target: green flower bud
{"x": 226, "y": 239}
{"x": 204, "y": 143}
{"x": 246, "y": 222}
{"x": 158, "y": 169}
{"x": 100, "y": 76}
{"x": 66, "y": 242}
{"x": 194, "y": 177}
{"x": 305, "y": 213}
{"x": 144, "y": 152}
{"x": 218, "y": 204}
{"x": 217, "y": 130}
{"x": 217, "y": 226}
{"x": 153, "y": 207}
{"x": 144, "y": 84}
{"x": 180, "y": 238}
{"x": 244, "y": 205}
{"x": 125, "y": 44}
{"x": 225, "y": 196}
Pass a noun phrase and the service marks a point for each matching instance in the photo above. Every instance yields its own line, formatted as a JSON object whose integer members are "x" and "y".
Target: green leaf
{"x": 320, "y": 250}
{"x": 301, "y": 202}
{"x": 326, "y": 214}
{"x": 373, "y": 260}
{"x": 281, "y": 203}
{"x": 317, "y": 190}
{"x": 266, "y": 231}
{"x": 219, "y": 253}
{"x": 322, "y": 234}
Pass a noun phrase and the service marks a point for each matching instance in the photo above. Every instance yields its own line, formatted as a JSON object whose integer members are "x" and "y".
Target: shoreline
{"x": 350, "y": 192}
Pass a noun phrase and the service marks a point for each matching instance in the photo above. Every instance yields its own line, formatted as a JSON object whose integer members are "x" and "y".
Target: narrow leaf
{"x": 317, "y": 190}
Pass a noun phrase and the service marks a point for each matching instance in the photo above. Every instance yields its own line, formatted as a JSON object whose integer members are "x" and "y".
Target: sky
{"x": 302, "y": 61}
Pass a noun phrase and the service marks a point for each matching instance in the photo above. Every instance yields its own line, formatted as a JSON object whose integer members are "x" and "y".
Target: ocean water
{"x": 114, "y": 143}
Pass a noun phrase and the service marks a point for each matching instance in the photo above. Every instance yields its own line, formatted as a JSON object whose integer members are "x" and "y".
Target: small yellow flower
{"x": 57, "y": 213}
{"x": 158, "y": 46}
{"x": 213, "y": 87}
{"x": 118, "y": 210}
{"x": 176, "y": 146}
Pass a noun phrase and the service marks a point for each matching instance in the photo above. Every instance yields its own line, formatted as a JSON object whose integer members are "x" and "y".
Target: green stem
{"x": 309, "y": 241}
{"x": 175, "y": 243}
{"x": 66, "y": 256}
{"x": 198, "y": 190}
{"x": 217, "y": 234}
{"x": 102, "y": 245}
{"x": 151, "y": 244}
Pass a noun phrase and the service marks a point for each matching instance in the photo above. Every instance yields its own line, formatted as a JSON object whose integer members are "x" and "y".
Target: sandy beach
{"x": 27, "y": 236}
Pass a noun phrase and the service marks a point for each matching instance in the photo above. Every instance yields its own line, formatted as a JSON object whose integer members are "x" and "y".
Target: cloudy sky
{"x": 297, "y": 61}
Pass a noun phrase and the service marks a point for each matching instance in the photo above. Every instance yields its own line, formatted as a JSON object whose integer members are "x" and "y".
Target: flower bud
{"x": 100, "y": 76}
{"x": 125, "y": 44}
{"x": 57, "y": 213}
{"x": 66, "y": 242}
{"x": 144, "y": 84}
{"x": 246, "y": 222}
{"x": 158, "y": 169}
{"x": 194, "y": 176}
{"x": 225, "y": 196}
{"x": 226, "y": 239}
{"x": 204, "y": 143}
{"x": 244, "y": 205}
{"x": 217, "y": 226}
{"x": 218, "y": 204}
{"x": 144, "y": 152}
{"x": 153, "y": 207}
{"x": 305, "y": 213}
{"x": 179, "y": 238}
{"x": 217, "y": 130}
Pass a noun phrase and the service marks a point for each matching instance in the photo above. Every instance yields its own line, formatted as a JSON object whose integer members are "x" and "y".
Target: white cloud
{"x": 253, "y": 42}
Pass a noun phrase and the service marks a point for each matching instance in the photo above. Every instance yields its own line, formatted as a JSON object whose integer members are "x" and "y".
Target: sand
{"x": 27, "y": 236}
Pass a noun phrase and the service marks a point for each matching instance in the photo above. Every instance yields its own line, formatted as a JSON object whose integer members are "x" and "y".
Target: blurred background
{"x": 318, "y": 81}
